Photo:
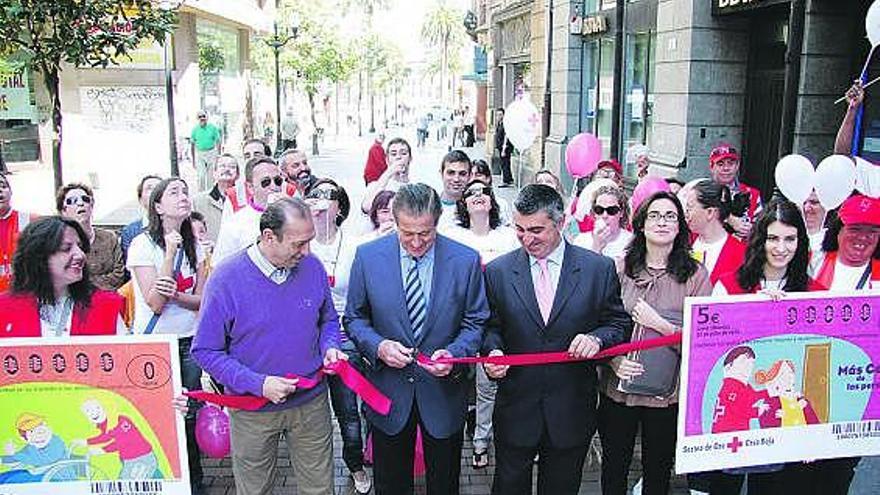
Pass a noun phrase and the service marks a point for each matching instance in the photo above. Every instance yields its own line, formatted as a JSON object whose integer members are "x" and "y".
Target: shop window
{"x": 638, "y": 95}
{"x": 591, "y": 6}
{"x": 589, "y": 86}
{"x": 605, "y": 94}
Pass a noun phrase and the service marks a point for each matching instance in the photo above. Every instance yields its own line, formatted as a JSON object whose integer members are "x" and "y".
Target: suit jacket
{"x": 457, "y": 312}
{"x": 560, "y": 398}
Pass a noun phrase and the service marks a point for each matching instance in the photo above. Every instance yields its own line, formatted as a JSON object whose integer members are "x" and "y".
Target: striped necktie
{"x": 415, "y": 300}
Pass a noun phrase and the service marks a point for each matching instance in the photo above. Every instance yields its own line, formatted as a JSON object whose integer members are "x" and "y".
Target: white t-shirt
{"x": 817, "y": 256}
{"x": 498, "y": 241}
{"x": 337, "y": 258}
{"x": 720, "y": 290}
{"x": 63, "y": 309}
{"x": 174, "y": 319}
{"x": 237, "y": 233}
{"x": 708, "y": 253}
{"x": 615, "y": 249}
{"x": 448, "y": 218}
{"x": 848, "y": 277}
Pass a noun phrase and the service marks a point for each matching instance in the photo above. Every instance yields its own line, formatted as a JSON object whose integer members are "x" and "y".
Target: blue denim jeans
{"x": 191, "y": 377}
{"x": 345, "y": 407}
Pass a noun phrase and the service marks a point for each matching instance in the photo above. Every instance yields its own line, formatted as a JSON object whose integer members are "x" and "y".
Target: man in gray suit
{"x": 409, "y": 292}
{"x": 548, "y": 296}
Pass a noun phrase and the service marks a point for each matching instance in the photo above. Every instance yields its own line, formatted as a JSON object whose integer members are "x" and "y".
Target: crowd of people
{"x": 262, "y": 273}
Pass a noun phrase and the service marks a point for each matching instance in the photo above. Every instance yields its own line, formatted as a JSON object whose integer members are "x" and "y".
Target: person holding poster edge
{"x": 776, "y": 262}
{"x": 851, "y": 248}
{"x": 571, "y": 300}
{"x": 52, "y": 295}
{"x": 168, "y": 269}
{"x": 658, "y": 274}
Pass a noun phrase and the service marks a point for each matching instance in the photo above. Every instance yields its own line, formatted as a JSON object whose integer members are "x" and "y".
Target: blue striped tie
{"x": 415, "y": 300}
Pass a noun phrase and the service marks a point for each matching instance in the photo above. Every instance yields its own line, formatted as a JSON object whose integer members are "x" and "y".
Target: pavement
{"x": 343, "y": 158}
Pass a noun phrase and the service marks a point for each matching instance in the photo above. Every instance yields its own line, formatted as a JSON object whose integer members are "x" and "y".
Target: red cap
{"x": 721, "y": 152}
{"x": 613, "y": 164}
{"x": 859, "y": 209}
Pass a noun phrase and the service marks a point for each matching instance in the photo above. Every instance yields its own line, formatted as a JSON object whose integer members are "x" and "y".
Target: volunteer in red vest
{"x": 707, "y": 206}
{"x": 724, "y": 164}
{"x": 777, "y": 258}
{"x": 12, "y": 223}
{"x": 51, "y": 293}
{"x": 238, "y": 196}
{"x": 852, "y": 254}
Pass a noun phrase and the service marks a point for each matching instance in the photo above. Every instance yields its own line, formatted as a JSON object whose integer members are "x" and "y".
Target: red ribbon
{"x": 346, "y": 372}
{"x": 530, "y": 359}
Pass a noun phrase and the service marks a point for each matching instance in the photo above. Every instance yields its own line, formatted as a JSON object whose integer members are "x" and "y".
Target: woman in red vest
{"x": 12, "y": 223}
{"x": 851, "y": 248}
{"x": 51, "y": 292}
{"x": 707, "y": 206}
{"x": 777, "y": 257}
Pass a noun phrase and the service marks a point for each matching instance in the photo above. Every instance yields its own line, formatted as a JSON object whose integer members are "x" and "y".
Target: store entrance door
{"x": 764, "y": 94}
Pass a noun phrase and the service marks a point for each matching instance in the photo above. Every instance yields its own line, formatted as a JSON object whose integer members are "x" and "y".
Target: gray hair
{"x": 289, "y": 152}
{"x": 417, "y": 200}
{"x": 282, "y": 211}
{"x": 539, "y": 197}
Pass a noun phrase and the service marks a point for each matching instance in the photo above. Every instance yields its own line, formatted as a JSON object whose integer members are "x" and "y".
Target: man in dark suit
{"x": 548, "y": 296}
{"x": 411, "y": 292}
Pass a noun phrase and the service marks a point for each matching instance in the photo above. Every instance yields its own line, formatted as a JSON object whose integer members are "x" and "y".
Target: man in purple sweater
{"x": 267, "y": 313}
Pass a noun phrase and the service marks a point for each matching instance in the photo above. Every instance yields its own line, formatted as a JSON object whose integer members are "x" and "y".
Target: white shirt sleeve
{"x": 141, "y": 252}
{"x": 719, "y": 290}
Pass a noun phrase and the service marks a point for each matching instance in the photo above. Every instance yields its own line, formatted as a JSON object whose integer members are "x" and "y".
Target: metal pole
{"x": 619, "y": 80}
{"x": 548, "y": 66}
{"x": 276, "y": 48}
{"x": 169, "y": 99}
{"x": 792, "y": 76}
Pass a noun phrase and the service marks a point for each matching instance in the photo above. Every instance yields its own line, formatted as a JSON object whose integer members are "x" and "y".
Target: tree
{"x": 45, "y": 34}
{"x": 443, "y": 29}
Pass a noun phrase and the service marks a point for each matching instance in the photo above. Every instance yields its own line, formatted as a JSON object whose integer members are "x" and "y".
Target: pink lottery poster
{"x": 91, "y": 415}
{"x": 768, "y": 382}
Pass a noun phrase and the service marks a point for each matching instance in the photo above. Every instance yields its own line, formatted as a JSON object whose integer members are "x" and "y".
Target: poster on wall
{"x": 768, "y": 382}
{"x": 91, "y": 415}
{"x": 15, "y": 96}
{"x": 123, "y": 108}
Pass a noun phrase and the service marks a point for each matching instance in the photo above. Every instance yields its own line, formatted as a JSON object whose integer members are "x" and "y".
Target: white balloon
{"x": 522, "y": 123}
{"x": 867, "y": 177}
{"x": 795, "y": 177}
{"x": 872, "y": 23}
{"x": 835, "y": 180}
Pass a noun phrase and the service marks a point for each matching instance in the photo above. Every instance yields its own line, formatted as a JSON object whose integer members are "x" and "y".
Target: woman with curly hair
{"x": 52, "y": 294}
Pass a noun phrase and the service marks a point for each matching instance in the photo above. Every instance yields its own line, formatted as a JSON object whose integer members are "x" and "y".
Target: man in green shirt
{"x": 206, "y": 140}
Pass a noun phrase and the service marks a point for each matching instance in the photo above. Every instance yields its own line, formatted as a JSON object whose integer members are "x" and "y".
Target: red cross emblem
{"x": 184, "y": 284}
{"x": 734, "y": 444}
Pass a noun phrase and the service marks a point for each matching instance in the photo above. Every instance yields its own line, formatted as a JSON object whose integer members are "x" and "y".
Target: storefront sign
{"x": 767, "y": 382}
{"x": 15, "y": 98}
{"x": 89, "y": 416}
{"x": 595, "y": 24}
{"x": 721, "y": 7}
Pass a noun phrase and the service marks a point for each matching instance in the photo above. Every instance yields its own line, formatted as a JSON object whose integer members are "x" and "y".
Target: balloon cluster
{"x": 833, "y": 180}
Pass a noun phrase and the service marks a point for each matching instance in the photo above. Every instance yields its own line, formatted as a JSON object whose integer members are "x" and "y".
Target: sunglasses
{"x": 478, "y": 191}
{"x": 611, "y": 210}
{"x": 71, "y": 200}
{"x": 266, "y": 181}
{"x": 328, "y": 194}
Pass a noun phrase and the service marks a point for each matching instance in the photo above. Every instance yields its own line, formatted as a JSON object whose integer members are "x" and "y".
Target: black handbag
{"x": 661, "y": 363}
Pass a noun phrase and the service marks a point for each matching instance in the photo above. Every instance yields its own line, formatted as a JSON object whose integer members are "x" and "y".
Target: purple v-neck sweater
{"x": 250, "y": 327}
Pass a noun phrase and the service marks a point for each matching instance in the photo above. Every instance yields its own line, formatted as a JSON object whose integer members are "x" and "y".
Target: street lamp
{"x": 276, "y": 42}
{"x": 169, "y": 90}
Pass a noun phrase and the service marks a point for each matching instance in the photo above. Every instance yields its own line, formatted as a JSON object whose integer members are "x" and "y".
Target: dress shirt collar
{"x": 429, "y": 256}
{"x": 273, "y": 273}
{"x": 556, "y": 256}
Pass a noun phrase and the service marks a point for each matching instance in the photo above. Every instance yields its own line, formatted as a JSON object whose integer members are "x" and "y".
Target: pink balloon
{"x": 212, "y": 432}
{"x": 582, "y": 155}
{"x": 647, "y": 188}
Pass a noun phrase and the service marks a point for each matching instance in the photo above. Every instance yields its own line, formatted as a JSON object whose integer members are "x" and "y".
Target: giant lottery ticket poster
{"x": 91, "y": 415}
{"x": 767, "y": 382}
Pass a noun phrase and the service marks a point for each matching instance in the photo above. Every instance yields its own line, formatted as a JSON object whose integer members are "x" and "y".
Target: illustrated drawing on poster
{"x": 91, "y": 415}
{"x": 767, "y": 382}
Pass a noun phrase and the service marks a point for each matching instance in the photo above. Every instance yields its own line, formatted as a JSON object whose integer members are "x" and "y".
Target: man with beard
{"x": 455, "y": 170}
{"x": 211, "y": 203}
{"x": 295, "y": 167}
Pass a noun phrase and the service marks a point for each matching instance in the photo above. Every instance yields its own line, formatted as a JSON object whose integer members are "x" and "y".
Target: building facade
{"x": 682, "y": 76}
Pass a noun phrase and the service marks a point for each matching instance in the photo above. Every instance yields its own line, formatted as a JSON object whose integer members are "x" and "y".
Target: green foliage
{"x": 442, "y": 27}
{"x": 93, "y": 33}
{"x": 211, "y": 59}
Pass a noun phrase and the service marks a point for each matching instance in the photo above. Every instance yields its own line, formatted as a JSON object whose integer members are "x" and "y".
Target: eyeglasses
{"x": 266, "y": 181}
{"x": 328, "y": 194}
{"x": 668, "y": 217}
{"x": 478, "y": 191}
{"x": 71, "y": 200}
{"x": 610, "y": 210}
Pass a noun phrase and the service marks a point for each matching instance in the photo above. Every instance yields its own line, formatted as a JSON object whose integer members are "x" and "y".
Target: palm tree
{"x": 369, "y": 8}
{"x": 443, "y": 29}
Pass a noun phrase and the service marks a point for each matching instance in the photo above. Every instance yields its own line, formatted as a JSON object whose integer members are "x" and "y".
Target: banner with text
{"x": 89, "y": 415}
{"x": 767, "y": 382}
